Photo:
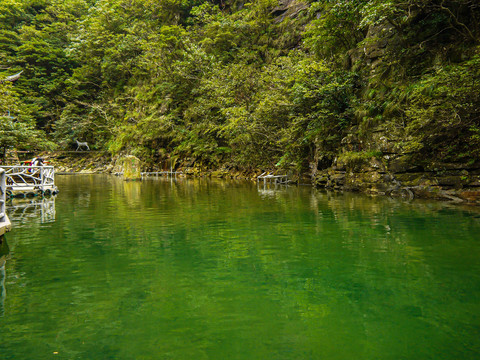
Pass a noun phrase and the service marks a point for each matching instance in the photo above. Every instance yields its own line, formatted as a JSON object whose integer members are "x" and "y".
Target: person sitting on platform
{"x": 37, "y": 161}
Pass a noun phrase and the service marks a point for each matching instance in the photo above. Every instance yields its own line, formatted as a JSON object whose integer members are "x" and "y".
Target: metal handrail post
{"x": 42, "y": 179}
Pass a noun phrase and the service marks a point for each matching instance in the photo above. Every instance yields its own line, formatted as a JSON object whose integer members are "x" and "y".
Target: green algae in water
{"x": 194, "y": 269}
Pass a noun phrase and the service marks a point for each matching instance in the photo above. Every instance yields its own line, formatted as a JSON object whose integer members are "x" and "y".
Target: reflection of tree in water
{"x": 3, "y": 256}
{"x": 27, "y": 211}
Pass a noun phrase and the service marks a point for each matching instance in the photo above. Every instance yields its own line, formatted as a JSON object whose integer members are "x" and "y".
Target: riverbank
{"x": 83, "y": 162}
{"x": 403, "y": 176}
{"x": 397, "y": 176}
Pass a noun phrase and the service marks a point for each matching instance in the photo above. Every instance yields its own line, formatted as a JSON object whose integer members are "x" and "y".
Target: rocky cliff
{"x": 401, "y": 174}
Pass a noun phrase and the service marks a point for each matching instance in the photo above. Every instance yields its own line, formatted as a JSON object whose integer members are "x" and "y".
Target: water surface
{"x": 195, "y": 269}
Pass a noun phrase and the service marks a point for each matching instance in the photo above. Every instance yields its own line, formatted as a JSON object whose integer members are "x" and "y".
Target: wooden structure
{"x": 29, "y": 180}
{"x": 5, "y": 224}
{"x": 273, "y": 179}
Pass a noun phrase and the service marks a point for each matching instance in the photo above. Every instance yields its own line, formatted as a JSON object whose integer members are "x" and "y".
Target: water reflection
{"x": 4, "y": 251}
{"x": 269, "y": 190}
{"x": 217, "y": 269}
{"x": 28, "y": 211}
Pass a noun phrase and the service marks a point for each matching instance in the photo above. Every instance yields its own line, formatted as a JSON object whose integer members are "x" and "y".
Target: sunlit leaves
{"x": 335, "y": 26}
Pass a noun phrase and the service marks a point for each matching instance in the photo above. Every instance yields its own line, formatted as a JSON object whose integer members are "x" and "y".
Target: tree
{"x": 17, "y": 128}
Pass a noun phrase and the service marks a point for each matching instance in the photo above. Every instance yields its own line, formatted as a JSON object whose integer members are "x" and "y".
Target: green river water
{"x": 197, "y": 269}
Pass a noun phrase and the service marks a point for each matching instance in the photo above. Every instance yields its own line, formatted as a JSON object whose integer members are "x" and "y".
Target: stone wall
{"x": 404, "y": 175}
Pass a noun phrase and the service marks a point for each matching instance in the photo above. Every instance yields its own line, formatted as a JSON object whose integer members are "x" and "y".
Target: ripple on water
{"x": 202, "y": 269}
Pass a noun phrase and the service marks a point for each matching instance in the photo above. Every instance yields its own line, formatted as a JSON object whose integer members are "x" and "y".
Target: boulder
{"x": 131, "y": 167}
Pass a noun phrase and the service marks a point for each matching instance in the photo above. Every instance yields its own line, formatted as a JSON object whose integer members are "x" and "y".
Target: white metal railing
{"x": 29, "y": 177}
{"x": 161, "y": 173}
{"x": 276, "y": 179}
{"x": 3, "y": 191}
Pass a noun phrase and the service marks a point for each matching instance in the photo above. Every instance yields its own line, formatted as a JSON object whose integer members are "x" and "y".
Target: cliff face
{"x": 401, "y": 175}
{"x": 422, "y": 141}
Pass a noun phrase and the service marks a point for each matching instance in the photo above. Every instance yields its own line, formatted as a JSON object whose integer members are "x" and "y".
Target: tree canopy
{"x": 246, "y": 84}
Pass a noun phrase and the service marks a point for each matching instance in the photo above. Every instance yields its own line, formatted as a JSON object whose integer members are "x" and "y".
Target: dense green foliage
{"x": 229, "y": 83}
